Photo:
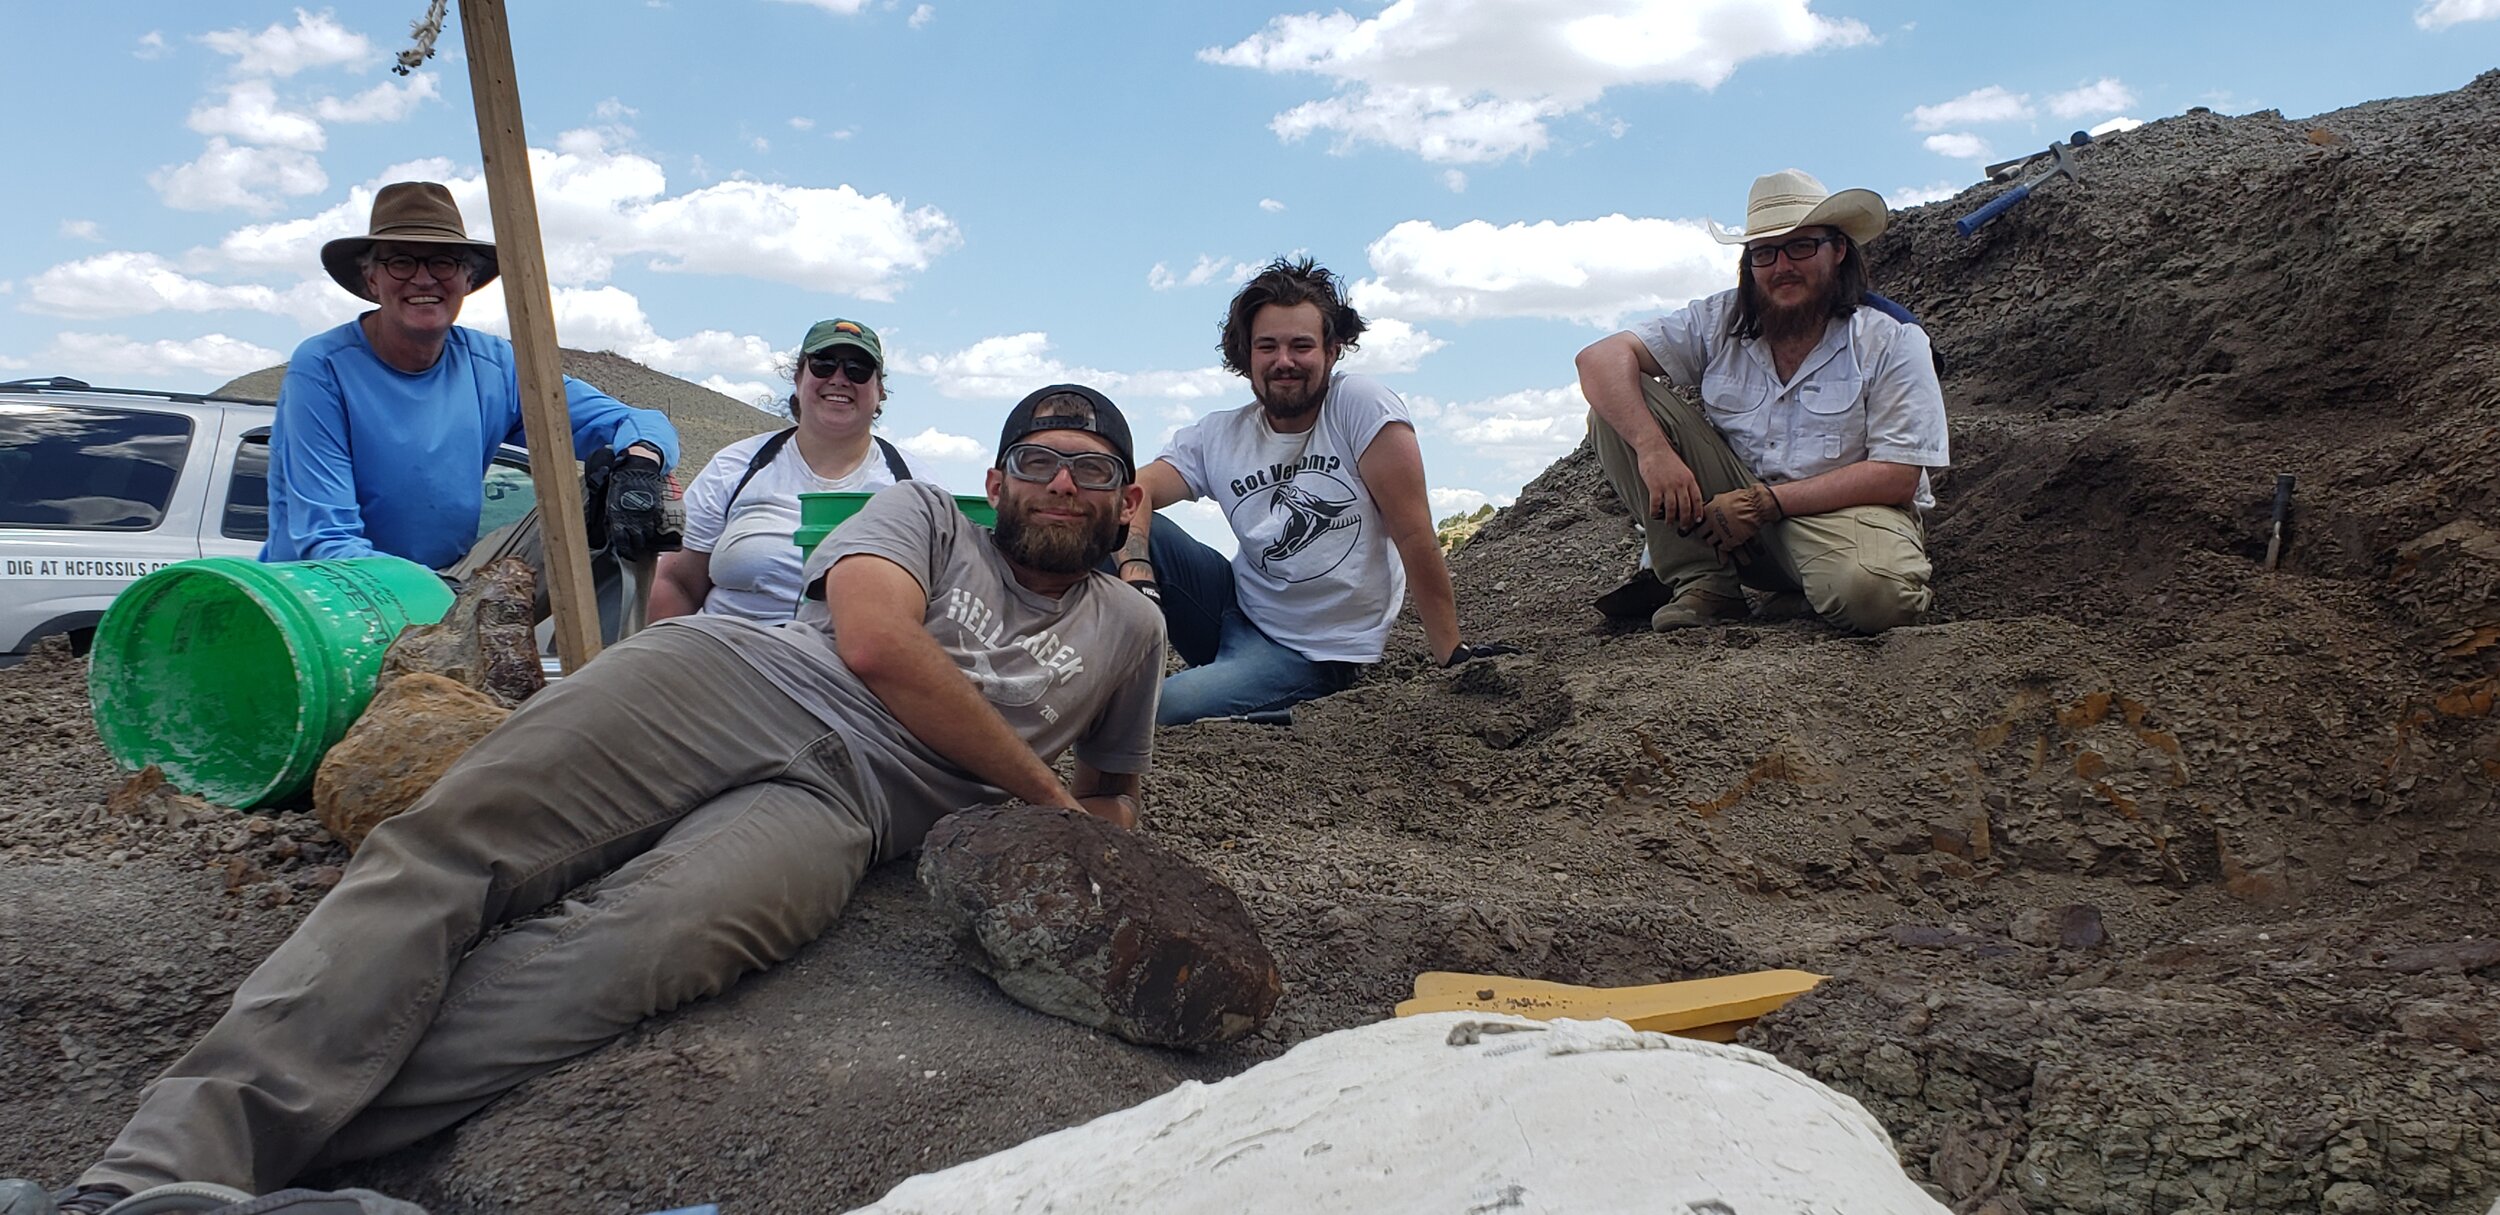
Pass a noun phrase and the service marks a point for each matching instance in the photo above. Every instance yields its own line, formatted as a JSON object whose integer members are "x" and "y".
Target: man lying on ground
{"x": 1323, "y": 483}
{"x": 728, "y": 783}
{"x": 1805, "y": 471}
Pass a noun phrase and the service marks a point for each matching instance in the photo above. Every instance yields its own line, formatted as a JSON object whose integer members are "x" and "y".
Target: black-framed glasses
{"x": 1798, "y": 249}
{"x": 858, "y": 369}
{"x": 403, "y": 266}
{"x": 1038, "y": 464}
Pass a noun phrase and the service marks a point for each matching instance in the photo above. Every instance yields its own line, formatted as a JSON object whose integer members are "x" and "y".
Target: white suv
{"x": 99, "y": 486}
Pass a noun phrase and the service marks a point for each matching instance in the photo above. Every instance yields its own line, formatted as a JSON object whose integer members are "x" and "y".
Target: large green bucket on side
{"x": 235, "y": 677}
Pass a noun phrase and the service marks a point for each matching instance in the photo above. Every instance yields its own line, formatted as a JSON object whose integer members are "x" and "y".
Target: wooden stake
{"x": 522, "y": 261}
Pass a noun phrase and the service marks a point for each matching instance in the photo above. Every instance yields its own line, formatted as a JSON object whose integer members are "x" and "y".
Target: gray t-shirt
{"x": 1081, "y": 670}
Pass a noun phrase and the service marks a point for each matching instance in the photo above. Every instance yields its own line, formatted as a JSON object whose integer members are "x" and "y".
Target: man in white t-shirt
{"x": 1322, "y": 482}
{"x": 1804, "y": 472}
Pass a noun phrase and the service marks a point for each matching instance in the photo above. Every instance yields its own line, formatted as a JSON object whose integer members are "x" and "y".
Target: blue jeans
{"x": 1233, "y": 667}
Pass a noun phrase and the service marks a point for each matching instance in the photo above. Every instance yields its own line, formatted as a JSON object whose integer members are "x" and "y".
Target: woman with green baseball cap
{"x": 740, "y": 510}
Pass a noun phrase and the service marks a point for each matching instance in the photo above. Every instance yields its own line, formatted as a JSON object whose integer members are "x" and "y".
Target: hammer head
{"x": 2064, "y": 165}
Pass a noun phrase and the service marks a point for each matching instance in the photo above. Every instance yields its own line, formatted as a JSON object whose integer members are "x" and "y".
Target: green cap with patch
{"x": 825, "y": 335}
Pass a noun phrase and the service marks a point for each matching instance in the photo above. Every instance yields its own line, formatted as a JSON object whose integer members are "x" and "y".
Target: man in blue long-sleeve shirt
{"x": 386, "y": 424}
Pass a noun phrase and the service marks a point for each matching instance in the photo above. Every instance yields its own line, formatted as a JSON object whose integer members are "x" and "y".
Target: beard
{"x": 1056, "y": 548}
{"x": 1799, "y": 320}
{"x": 1285, "y": 400}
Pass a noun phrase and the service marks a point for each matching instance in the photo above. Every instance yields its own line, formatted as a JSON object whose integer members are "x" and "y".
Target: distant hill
{"x": 706, "y": 421}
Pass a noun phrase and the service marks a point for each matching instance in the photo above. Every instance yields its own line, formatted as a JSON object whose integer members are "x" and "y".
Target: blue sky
{"x": 1014, "y": 193}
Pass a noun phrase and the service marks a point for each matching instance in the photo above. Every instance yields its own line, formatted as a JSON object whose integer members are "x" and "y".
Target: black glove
{"x": 1150, "y": 590}
{"x": 636, "y": 490}
{"x": 1463, "y": 652}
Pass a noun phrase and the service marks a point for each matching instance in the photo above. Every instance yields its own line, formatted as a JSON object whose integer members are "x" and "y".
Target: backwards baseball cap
{"x": 825, "y": 335}
{"x": 1091, "y": 412}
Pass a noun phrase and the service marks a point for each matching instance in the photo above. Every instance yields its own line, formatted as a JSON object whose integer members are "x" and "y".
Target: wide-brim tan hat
{"x": 1790, "y": 199}
{"x": 409, "y": 213}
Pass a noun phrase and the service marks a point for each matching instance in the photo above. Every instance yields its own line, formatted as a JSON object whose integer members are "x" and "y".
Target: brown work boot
{"x": 1780, "y": 606}
{"x": 1695, "y": 606}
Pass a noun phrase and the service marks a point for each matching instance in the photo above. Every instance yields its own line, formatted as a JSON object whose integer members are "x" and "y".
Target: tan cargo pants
{"x": 1863, "y": 568}
{"x": 720, "y": 819}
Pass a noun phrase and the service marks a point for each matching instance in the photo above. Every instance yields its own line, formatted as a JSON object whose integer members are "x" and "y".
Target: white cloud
{"x": 759, "y": 143}
{"x": 1991, "y": 104}
{"x": 1594, "y": 271}
{"x": 1209, "y": 268}
{"x": 1521, "y": 432}
{"x": 1914, "y": 196}
{"x": 1448, "y": 501}
{"x": 81, "y": 229}
{"x": 1270, "y": 205}
{"x": 2114, "y": 125}
{"x": 389, "y": 101}
{"x": 249, "y": 179}
{"x": 1454, "y": 181}
{"x": 315, "y": 40}
{"x": 844, "y": 7}
{"x": 1961, "y": 145}
{"x": 121, "y": 360}
{"x": 798, "y": 123}
{"x": 134, "y": 284}
{"x": 597, "y": 206}
{"x": 251, "y": 114}
{"x": 2103, "y": 96}
{"x": 1471, "y": 81}
{"x": 1202, "y": 518}
{"x": 1008, "y": 366}
{"x": 766, "y": 398}
{"x": 921, "y": 16}
{"x": 935, "y": 444}
{"x": 1389, "y": 346}
{"x": 611, "y": 318}
{"x": 2440, "y": 14}
{"x": 151, "y": 46}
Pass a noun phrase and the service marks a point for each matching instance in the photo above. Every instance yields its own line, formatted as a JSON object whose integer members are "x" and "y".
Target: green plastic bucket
{"x": 235, "y": 676}
{"x": 820, "y": 513}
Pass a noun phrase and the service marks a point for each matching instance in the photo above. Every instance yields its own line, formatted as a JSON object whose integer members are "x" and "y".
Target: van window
{"x": 509, "y": 495}
{"x": 86, "y": 468}
{"x": 247, "y": 492}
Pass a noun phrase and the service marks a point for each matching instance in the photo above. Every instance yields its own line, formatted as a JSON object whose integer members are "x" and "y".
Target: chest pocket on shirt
{"x": 1833, "y": 424}
{"x": 1726, "y": 398}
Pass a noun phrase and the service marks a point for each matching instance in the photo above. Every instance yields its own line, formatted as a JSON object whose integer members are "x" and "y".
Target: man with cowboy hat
{"x": 1804, "y": 471}
{"x": 387, "y": 423}
{"x": 936, "y": 664}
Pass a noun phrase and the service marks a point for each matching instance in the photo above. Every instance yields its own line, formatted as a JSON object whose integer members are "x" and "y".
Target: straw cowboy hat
{"x": 1790, "y": 199}
{"x": 407, "y": 213}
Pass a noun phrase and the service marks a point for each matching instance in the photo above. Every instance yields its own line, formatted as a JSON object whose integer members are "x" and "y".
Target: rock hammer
{"x": 2064, "y": 156}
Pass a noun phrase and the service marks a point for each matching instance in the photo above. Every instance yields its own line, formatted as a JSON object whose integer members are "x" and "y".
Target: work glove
{"x": 1463, "y": 652}
{"x": 1732, "y": 519}
{"x": 636, "y": 496}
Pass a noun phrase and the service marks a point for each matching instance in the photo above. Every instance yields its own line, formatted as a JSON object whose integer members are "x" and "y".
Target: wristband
{"x": 1126, "y": 562}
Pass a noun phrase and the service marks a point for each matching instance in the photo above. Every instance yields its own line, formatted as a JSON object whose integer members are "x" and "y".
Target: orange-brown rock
{"x": 414, "y": 729}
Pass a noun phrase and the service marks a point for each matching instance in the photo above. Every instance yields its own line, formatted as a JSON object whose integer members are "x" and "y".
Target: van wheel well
{"x": 81, "y": 641}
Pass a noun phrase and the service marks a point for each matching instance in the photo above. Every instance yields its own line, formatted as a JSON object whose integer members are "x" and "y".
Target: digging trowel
{"x": 2064, "y": 165}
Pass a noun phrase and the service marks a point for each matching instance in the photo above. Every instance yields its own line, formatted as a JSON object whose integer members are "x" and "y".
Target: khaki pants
{"x": 720, "y": 820}
{"x": 623, "y": 588}
{"x": 1863, "y": 568}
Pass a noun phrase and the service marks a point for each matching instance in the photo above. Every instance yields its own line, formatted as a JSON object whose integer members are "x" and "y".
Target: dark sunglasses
{"x": 858, "y": 369}
{"x": 1038, "y": 464}
{"x": 1797, "y": 250}
{"x": 403, "y": 266}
